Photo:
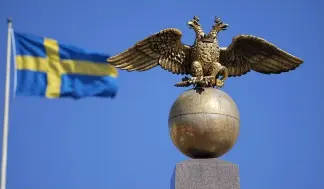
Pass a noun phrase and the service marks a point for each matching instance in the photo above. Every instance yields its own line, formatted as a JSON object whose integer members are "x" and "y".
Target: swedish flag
{"x": 47, "y": 68}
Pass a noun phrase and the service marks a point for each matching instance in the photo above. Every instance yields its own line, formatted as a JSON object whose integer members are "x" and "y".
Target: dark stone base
{"x": 205, "y": 174}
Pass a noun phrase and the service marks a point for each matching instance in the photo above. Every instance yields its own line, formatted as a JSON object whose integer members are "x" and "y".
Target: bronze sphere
{"x": 204, "y": 123}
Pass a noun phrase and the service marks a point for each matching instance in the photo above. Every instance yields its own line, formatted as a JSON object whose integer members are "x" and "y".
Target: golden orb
{"x": 204, "y": 123}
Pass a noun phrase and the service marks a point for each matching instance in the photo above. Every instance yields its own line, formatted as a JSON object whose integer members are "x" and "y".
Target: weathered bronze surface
{"x": 204, "y": 123}
{"x": 207, "y": 63}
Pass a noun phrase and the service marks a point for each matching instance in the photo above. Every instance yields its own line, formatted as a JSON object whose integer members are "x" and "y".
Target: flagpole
{"x": 6, "y": 111}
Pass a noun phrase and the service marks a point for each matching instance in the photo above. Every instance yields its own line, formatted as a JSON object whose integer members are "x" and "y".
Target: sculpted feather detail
{"x": 247, "y": 52}
{"x": 207, "y": 63}
{"x": 163, "y": 48}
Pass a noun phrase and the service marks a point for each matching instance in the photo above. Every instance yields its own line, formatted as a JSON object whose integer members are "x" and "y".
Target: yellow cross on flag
{"x": 48, "y": 68}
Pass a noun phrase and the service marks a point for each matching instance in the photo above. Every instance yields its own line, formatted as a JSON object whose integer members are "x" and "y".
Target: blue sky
{"x": 124, "y": 142}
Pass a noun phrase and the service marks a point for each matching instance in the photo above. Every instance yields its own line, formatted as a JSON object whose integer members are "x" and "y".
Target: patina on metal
{"x": 204, "y": 123}
{"x": 207, "y": 63}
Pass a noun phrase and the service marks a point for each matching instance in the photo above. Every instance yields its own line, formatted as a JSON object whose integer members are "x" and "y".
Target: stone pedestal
{"x": 205, "y": 174}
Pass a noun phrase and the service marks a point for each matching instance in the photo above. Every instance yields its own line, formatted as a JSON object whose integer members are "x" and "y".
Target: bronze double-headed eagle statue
{"x": 207, "y": 63}
{"x": 204, "y": 124}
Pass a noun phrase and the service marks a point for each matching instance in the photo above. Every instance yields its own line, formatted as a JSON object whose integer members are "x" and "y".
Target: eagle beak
{"x": 224, "y": 26}
{"x": 190, "y": 24}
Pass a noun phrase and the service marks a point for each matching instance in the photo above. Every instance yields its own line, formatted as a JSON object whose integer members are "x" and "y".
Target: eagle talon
{"x": 219, "y": 83}
{"x": 193, "y": 80}
{"x": 207, "y": 81}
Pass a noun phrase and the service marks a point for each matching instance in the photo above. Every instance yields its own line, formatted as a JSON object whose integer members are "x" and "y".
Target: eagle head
{"x": 217, "y": 27}
{"x": 212, "y": 35}
{"x": 194, "y": 24}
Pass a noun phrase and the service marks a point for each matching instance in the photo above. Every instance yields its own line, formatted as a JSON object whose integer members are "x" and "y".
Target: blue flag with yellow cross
{"x": 50, "y": 69}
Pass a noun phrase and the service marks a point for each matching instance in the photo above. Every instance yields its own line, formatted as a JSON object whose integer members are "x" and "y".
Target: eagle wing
{"x": 163, "y": 48}
{"x": 247, "y": 53}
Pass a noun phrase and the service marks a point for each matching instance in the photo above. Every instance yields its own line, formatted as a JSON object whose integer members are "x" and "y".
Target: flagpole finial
{"x": 9, "y": 20}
